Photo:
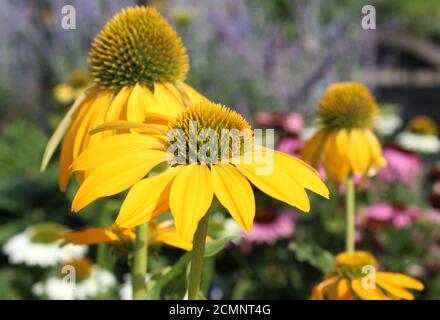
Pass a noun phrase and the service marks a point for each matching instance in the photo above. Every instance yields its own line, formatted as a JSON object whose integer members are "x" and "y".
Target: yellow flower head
{"x": 423, "y": 125}
{"x": 77, "y": 81}
{"x": 195, "y": 171}
{"x": 347, "y": 105}
{"x": 137, "y": 46}
{"x": 162, "y": 232}
{"x": 346, "y": 144}
{"x": 355, "y": 276}
{"x": 138, "y": 64}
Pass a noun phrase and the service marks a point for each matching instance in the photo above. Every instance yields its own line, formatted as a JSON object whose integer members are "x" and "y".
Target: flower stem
{"x": 198, "y": 253}
{"x": 350, "y": 204}
{"x": 140, "y": 256}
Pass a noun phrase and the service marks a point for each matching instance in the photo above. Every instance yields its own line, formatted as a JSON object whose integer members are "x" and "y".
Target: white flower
{"x": 21, "y": 249}
{"x": 418, "y": 142}
{"x": 99, "y": 281}
{"x": 387, "y": 124}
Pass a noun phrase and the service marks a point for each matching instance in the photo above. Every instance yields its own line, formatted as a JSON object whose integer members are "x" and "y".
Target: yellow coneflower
{"x": 355, "y": 277}
{"x": 138, "y": 66}
{"x": 76, "y": 83}
{"x": 162, "y": 232}
{"x": 346, "y": 144}
{"x": 121, "y": 161}
{"x": 188, "y": 185}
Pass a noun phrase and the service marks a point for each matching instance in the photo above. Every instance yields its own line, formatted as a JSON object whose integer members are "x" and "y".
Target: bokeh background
{"x": 271, "y": 61}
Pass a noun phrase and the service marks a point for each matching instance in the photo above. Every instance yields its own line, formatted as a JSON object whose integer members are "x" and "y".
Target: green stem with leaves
{"x": 198, "y": 253}
{"x": 140, "y": 260}
{"x": 350, "y": 212}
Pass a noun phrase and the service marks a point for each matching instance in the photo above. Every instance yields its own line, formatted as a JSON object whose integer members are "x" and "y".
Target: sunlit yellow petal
{"x": 171, "y": 237}
{"x": 167, "y": 100}
{"x": 64, "y": 125}
{"x": 140, "y": 102}
{"x": 192, "y": 93}
{"x": 319, "y": 290}
{"x": 146, "y": 199}
{"x": 235, "y": 193}
{"x": 397, "y": 291}
{"x": 116, "y": 176}
{"x": 276, "y": 182}
{"x": 190, "y": 198}
{"x": 304, "y": 174}
{"x": 114, "y": 147}
{"x": 118, "y": 108}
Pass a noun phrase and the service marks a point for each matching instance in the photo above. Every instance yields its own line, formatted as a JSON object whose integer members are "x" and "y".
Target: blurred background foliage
{"x": 272, "y": 56}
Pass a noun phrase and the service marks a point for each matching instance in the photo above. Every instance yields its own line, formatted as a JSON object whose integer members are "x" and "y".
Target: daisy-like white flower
{"x": 188, "y": 185}
{"x": 388, "y": 120}
{"x": 348, "y": 281}
{"x": 420, "y": 135}
{"x": 138, "y": 66}
{"x": 38, "y": 246}
{"x": 89, "y": 282}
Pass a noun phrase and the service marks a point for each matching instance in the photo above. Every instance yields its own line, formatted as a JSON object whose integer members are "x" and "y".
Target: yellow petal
{"x": 170, "y": 104}
{"x": 116, "y": 176}
{"x": 130, "y": 125}
{"x": 311, "y": 152}
{"x": 190, "y": 198}
{"x": 278, "y": 184}
{"x": 64, "y": 125}
{"x": 394, "y": 290}
{"x": 170, "y": 236}
{"x": 90, "y": 236}
{"x": 103, "y": 102}
{"x": 378, "y": 160}
{"x": 359, "y": 152}
{"x": 140, "y": 102}
{"x": 366, "y": 294}
{"x": 114, "y": 147}
{"x": 319, "y": 290}
{"x": 400, "y": 279}
{"x": 234, "y": 193}
{"x": 304, "y": 174}
{"x": 335, "y": 159}
{"x": 146, "y": 199}
{"x": 192, "y": 93}
{"x": 118, "y": 108}
{"x": 344, "y": 290}
{"x": 67, "y": 156}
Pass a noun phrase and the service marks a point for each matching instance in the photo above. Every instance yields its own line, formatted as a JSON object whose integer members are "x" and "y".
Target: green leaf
{"x": 315, "y": 256}
{"x": 215, "y": 246}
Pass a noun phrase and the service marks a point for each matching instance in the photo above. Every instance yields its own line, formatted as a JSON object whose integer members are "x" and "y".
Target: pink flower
{"x": 291, "y": 122}
{"x": 290, "y": 145}
{"x": 434, "y": 216}
{"x": 382, "y": 215}
{"x": 402, "y": 166}
{"x": 280, "y": 226}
